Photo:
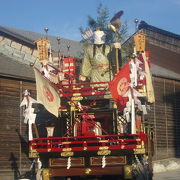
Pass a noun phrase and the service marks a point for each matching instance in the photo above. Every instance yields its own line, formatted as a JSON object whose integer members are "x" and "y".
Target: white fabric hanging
{"x": 29, "y": 116}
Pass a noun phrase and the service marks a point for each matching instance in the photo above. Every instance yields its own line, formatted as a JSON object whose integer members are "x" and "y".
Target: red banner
{"x": 69, "y": 65}
{"x": 119, "y": 86}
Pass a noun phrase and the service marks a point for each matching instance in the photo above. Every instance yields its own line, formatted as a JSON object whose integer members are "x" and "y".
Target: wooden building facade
{"x": 15, "y": 77}
{"x": 17, "y": 51}
{"x": 164, "y": 48}
{"x": 14, "y": 159}
{"x": 13, "y": 132}
{"x": 164, "y": 117}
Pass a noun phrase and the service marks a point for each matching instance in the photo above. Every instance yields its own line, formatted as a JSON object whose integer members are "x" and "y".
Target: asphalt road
{"x": 168, "y": 175}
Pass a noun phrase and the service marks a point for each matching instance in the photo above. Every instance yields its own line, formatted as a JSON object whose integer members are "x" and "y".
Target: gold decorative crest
{"x": 139, "y": 151}
{"x": 33, "y": 153}
{"x": 103, "y": 148}
{"x": 88, "y": 171}
{"x": 67, "y": 154}
{"x": 67, "y": 149}
{"x": 104, "y": 152}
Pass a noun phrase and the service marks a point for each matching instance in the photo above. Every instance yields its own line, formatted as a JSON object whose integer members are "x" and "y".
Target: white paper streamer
{"x": 29, "y": 116}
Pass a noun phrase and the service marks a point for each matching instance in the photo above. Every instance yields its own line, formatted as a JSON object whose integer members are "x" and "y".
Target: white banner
{"x": 46, "y": 94}
{"x": 149, "y": 85}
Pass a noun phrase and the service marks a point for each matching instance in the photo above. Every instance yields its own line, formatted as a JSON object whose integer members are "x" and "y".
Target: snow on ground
{"x": 166, "y": 165}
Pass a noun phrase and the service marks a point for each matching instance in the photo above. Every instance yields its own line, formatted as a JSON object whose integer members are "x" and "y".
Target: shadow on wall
{"x": 24, "y": 143}
{"x": 25, "y": 150}
{"x": 174, "y": 100}
{"x": 14, "y": 166}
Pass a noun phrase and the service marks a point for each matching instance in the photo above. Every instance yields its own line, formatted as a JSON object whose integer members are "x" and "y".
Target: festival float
{"x": 102, "y": 132}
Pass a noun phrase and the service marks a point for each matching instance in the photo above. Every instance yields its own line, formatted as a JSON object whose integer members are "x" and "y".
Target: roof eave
{"x": 17, "y": 77}
{"x": 18, "y": 39}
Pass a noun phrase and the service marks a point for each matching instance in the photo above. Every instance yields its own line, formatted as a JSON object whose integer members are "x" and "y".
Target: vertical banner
{"x": 43, "y": 48}
{"x": 140, "y": 42}
{"x": 149, "y": 85}
{"x": 46, "y": 94}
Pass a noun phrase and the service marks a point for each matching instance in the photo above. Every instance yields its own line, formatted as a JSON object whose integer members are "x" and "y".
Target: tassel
{"x": 69, "y": 163}
{"x": 103, "y": 161}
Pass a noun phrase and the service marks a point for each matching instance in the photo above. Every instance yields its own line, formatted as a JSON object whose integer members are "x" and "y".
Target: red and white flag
{"x": 119, "y": 86}
{"x": 46, "y": 94}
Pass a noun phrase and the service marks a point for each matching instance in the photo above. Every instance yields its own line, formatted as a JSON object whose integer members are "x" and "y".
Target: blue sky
{"x": 64, "y": 17}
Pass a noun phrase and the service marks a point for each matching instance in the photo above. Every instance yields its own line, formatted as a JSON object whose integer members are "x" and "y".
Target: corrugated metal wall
{"x": 13, "y": 131}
